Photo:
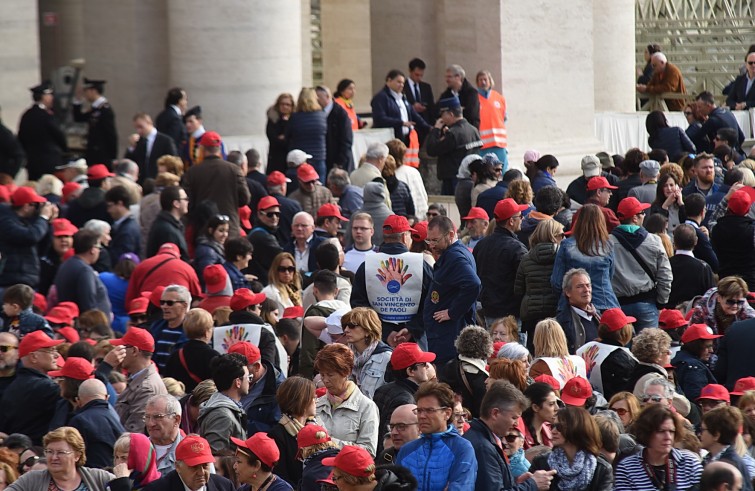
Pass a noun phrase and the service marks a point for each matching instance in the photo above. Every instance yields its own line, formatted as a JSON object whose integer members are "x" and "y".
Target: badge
{"x": 435, "y": 296}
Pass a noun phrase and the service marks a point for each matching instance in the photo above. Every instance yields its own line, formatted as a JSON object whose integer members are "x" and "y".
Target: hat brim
{"x": 671, "y": 328}
{"x": 425, "y": 357}
{"x": 572, "y": 400}
{"x": 199, "y": 459}
{"x": 329, "y": 461}
{"x": 703, "y": 398}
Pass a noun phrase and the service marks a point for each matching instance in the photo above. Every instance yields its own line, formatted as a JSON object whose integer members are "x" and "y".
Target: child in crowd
{"x": 17, "y": 316}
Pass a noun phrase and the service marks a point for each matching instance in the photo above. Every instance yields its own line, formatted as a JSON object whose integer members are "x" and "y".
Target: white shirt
{"x": 151, "y": 141}
{"x": 582, "y": 313}
{"x": 680, "y": 252}
{"x": 399, "y": 98}
{"x": 328, "y": 108}
{"x": 199, "y": 132}
{"x": 177, "y": 109}
{"x": 354, "y": 258}
{"x": 302, "y": 258}
{"x": 100, "y": 101}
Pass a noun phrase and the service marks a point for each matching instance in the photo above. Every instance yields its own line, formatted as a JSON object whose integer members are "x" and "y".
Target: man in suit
{"x": 340, "y": 137}
{"x": 420, "y": 94}
{"x": 170, "y": 120}
{"x": 717, "y": 118}
{"x": 217, "y": 180}
{"x": 193, "y": 463}
{"x": 40, "y": 136}
{"x": 691, "y": 276}
{"x": 150, "y": 146}
{"x": 460, "y": 87}
{"x": 304, "y": 242}
{"x": 742, "y": 97}
{"x": 390, "y": 109}
{"x": 694, "y": 209}
{"x": 102, "y": 137}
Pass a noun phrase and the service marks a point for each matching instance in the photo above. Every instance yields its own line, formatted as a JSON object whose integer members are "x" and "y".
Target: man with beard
{"x": 705, "y": 174}
{"x": 8, "y": 360}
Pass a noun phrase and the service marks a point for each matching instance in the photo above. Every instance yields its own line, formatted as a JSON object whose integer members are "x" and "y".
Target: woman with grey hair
{"x": 466, "y": 374}
{"x": 104, "y": 263}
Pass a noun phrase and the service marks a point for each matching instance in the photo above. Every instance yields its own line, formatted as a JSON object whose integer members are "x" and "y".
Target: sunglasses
{"x": 170, "y": 303}
{"x": 654, "y": 398}
{"x": 751, "y": 62}
{"x": 223, "y": 218}
{"x": 732, "y": 303}
{"x": 620, "y": 411}
{"x": 29, "y": 462}
{"x": 512, "y": 438}
{"x": 138, "y": 318}
{"x": 286, "y": 269}
{"x": 350, "y": 325}
{"x": 6, "y": 348}
{"x": 271, "y": 214}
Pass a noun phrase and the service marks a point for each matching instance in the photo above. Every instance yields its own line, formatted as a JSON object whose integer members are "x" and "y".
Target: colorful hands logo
{"x": 392, "y": 273}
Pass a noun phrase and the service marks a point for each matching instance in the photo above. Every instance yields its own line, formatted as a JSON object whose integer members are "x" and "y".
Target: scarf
{"x": 337, "y": 400}
{"x": 347, "y": 102}
{"x": 291, "y": 425}
{"x": 360, "y": 360}
{"x": 574, "y": 476}
{"x": 142, "y": 459}
{"x": 293, "y": 293}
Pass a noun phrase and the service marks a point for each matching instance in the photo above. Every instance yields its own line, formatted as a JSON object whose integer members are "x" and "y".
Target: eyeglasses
{"x": 6, "y": 348}
{"x": 57, "y": 453}
{"x": 287, "y": 269}
{"x": 428, "y": 410}
{"x": 519, "y": 216}
{"x": 272, "y": 214}
{"x": 432, "y": 214}
{"x": 460, "y": 417}
{"x": 50, "y": 351}
{"x": 170, "y": 303}
{"x": 183, "y": 199}
{"x": 652, "y": 398}
{"x": 156, "y": 417}
{"x": 561, "y": 235}
{"x": 312, "y": 182}
{"x": 223, "y": 218}
{"x": 619, "y": 410}
{"x": 688, "y": 113}
{"x": 512, "y": 438}
{"x": 401, "y": 426}
{"x": 732, "y": 303}
{"x": 350, "y": 325}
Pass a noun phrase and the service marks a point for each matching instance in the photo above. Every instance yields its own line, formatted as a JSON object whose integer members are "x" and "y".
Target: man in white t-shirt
{"x": 362, "y": 230}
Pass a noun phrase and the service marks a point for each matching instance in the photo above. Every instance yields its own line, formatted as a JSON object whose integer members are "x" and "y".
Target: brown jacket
{"x": 219, "y": 181}
{"x": 670, "y": 80}
{"x": 132, "y": 401}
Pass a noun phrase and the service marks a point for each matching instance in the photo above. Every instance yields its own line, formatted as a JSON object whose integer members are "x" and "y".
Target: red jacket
{"x": 163, "y": 269}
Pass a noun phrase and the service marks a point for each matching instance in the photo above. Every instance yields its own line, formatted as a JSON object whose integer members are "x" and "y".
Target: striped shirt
{"x": 164, "y": 345}
{"x": 631, "y": 475}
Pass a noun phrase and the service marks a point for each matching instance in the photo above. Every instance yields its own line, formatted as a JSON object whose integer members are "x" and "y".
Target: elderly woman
{"x": 652, "y": 349}
{"x": 466, "y": 374}
{"x": 552, "y": 355}
{"x": 658, "y": 465}
{"x": 723, "y": 305}
{"x": 576, "y": 454}
{"x": 363, "y": 330}
{"x": 296, "y": 399}
{"x": 349, "y": 416}
{"x": 255, "y": 459}
{"x": 104, "y": 262}
{"x": 284, "y": 282}
{"x": 626, "y": 406}
{"x": 611, "y": 363}
{"x": 66, "y": 456}
{"x": 135, "y": 462}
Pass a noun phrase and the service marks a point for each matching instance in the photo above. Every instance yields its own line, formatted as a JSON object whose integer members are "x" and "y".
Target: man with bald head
{"x": 721, "y": 476}
{"x": 404, "y": 428}
{"x": 97, "y": 422}
{"x": 666, "y": 78}
{"x": 8, "y": 359}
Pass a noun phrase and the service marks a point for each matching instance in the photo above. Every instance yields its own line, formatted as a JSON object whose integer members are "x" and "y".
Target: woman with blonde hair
{"x": 284, "y": 282}
{"x": 552, "y": 355}
{"x": 8, "y": 475}
{"x": 627, "y": 406}
{"x": 363, "y": 331}
{"x": 521, "y": 192}
{"x": 652, "y": 349}
{"x": 307, "y": 130}
{"x": 277, "y": 121}
{"x": 532, "y": 281}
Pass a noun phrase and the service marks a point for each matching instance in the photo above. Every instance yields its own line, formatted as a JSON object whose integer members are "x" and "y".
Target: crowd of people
{"x": 183, "y": 319}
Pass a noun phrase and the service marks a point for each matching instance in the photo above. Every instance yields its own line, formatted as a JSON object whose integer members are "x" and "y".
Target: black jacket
{"x": 165, "y": 229}
{"x": 498, "y": 257}
{"x": 266, "y": 245}
{"x": 100, "y": 427}
{"x": 426, "y": 98}
{"x": 43, "y": 141}
{"x": 692, "y": 277}
{"x": 126, "y": 237}
{"x": 171, "y": 482}
{"x": 171, "y": 124}
{"x": 198, "y": 356}
{"x": 29, "y": 404}
{"x": 12, "y": 154}
{"x": 402, "y": 202}
{"x": 451, "y": 374}
{"x": 163, "y": 145}
{"x": 76, "y": 281}
{"x": 615, "y": 370}
{"x": 388, "y": 397}
{"x": 673, "y": 140}
{"x": 739, "y": 93}
{"x": 577, "y": 189}
{"x": 735, "y": 358}
{"x": 89, "y": 206}
{"x": 19, "y": 241}
{"x": 451, "y": 145}
{"x": 289, "y": 208}
{"x": 267, "y": 345}
{"x": 288, "y": 467}
{"x": 533, "y": 283}
{"x": 720, "y": 117}
{"x": 102, "y": 137}
{"x": 278, "y": 149}
{"x": 339, "y": 139}
{"x": 386, "y": 114}
{"x": 469, "y": 101}
{"x": 602, "y": 479}
{"x": 732, "y": 240}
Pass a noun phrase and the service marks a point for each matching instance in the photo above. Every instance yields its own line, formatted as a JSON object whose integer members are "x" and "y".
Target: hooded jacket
{"x": 533, "y": 282}
{"x": 207, "y": 252}
{"x": 262, "y": 410}
{"x": 220, "y": 418}
{"x": 691, "y": 374}
{"x": 630, "y": 282}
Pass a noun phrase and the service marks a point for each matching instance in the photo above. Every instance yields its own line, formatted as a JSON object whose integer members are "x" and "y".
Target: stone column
{"x": 19, "y": 36}
{"x": 613, "y": 55}
{"x": 235, "y": 57}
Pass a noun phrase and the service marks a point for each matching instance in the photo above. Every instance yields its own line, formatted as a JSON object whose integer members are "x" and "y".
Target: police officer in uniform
{"x": 43, "y": 140}
{"x": 102, "y": 138}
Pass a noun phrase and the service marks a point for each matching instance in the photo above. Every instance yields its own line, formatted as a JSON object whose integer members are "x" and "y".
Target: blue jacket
{"x": 600, "y": 269}
{"x": 673, "y": 140}
{"x": 207, "y": 253}
{"x": 126, "y": 237}
{"x": 262, "y": 410}
{"x": 493, "y": 472}
{"x": 386, "y": 114}
{"x": 307, "y": 132}
{"x": 541, "y": 180}
{"x": 351, "y": 200}
{"x": 312, "y": 245}
{"x": 455, "y": 287}
{"x": 440, "y": 461}
{"x": 28, "y": 322}
{"x": 490, "y": 197}
{"x": 691, "y": 374}
{"x": 76, "y": 281}
{"x": 100, "y": 426}
{"x": 18, "y": 246}
{"x": 29, "y": 404}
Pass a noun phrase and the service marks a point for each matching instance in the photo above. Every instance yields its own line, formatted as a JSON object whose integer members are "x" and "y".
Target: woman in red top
{"x": 544, "y": 405}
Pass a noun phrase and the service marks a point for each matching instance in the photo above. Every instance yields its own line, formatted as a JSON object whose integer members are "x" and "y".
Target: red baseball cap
{"x": 211, "y": 139}
{"x": 507, "y": 208}
{"x": 276, "y": 178}
{"x": 23, "y": 196}
{"x": 60, "y": 315}
{"x": 352, "y": 460}
{"x": 476, "y": 213}
{"x": 71, "y": 306}
{"x": 331, "y": 210}
{"x": 743, "y": 385}
{"x": 407, "y": 354}
{"x": 740, "y": 202}
{"x": 262, "y": 446}
{"x": 194, "y": 450}
{"x": 311, "y": 435}
{"x": 155, "y": 296}
{"x": 215, "y": 278}
{"x": 245, "y": 213}
{"x": 615, "y": 319}
{"x": 62, "y": 227}
{"x": 267, "y": 202}
{"x": 671, "y": 319}
{"x": 137, "y": 337}
{"x": 69, "y": 188}
{"x": 36, "y": 340}
{"x": 396, "y": 224}
{"x": 40, "y": 302}
{"x": 420, "y": 231}
{"x": 138, "y": 306}
{"x": 629, "y": 207}
{"x": 244, "y": 297}
{"x": 69, "y": 334}
{"x": 698, "y": 331}
{"x": 576, "y": 391}
{"x": 715, "y": 392}
{"x": 98, "y": 171}
{"x": 548, "y": 379}
{"x": 599, "y": 182}
{"x": 248, "y": 350}
{"x": 4, "y": 194}
{"x": 307, "y": 173}
{"x": 293, "y": 312}
{"x": 75, "y": 368}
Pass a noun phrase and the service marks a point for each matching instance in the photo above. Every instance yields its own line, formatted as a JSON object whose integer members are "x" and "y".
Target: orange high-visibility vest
{"x": 411, "y": 158}
{"x": 350, "y": 111}
{"x": 492, "y": 120}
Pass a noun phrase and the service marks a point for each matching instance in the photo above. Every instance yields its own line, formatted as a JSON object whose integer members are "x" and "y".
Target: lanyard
{"x": 670, "y": 473}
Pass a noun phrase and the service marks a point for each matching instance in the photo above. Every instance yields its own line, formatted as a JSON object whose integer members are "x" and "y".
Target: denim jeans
{"x": 319, "y": 166}
{"x": 646, "y": 314}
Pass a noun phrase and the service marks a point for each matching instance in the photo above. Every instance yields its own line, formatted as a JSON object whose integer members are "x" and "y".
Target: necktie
{"x": 417, "y": 97}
